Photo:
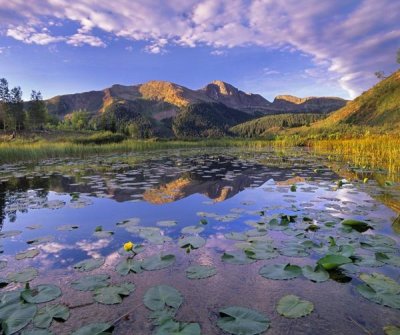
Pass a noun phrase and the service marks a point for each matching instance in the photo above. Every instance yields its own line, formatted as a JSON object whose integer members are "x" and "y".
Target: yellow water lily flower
{"x": 128, "y": 246}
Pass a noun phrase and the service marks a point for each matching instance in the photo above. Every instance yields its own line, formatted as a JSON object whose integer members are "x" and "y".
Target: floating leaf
{"x": 242, "y": 321}
{"x": 238, "y": 257}
{"x": 236, "y": 236}
{"x": 3, "y": 264}
{"x": 40, "y": 240}
{"x": 280, "y": 271}
{"x": 391, "y": 330}
{"x": 193, "y": 242}
{"x": 94, "y": 329}
{"x": 166, "y": 223}
{"x": 192, "y": 230}
{"x": 89, "y": 264}
{"x": 9, "y": 233}
{"x": 113, "y": 294}
{"x": 103, "y": 233}
{"x": 36, "y": 332}
{"x": 388, "y": 259}
{"x": 129, "y": 265}
{"x": 200, "y": 271}
{"x": 45, "y": 315}
{"x": 317, "y": 274}
{"x": 330, "y": 262}
{"x": 358, "y": 225}
{"x": 67, "y": 227}
{"x": 41, "y": 293}
{"x": 172, "y": 327}
{"x": 90, "y": 283}
{"x": 31, "y": 253}
{"x": 161, "y": 296}
{"x": 23, "y": 276}
{"x": 291, "y": 306}
{"x": 380, "y": 289}
{"x": 158, "y": 262}
{"x": 15, "y": 315}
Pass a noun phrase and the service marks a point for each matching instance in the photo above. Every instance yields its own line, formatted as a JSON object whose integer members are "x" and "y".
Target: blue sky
{"x": 302, "y": 47}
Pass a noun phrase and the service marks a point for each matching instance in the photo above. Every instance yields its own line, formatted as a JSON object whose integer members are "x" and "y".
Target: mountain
{"x": 169, "y": 98}
{"x": 379, "y": 106}
{"x": 165, "y": 109}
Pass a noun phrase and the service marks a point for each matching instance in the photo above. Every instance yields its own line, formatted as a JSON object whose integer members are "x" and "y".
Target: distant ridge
{"x": 168, "y": 98}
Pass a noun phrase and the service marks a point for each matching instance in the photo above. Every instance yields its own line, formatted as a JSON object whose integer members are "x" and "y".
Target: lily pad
{"x": 14, "y": 314}
{"x": 67, "y": 227}
{"x": 158, "y": 262}
{"x": 193, "y": 242}
{"x": 40, "y": 240}
{"x": 9, "y": 233}
{"x": 90, "y": 283}
{"x": 330, "y": 262}
{"x": 391, "y": 330}
{"x": 200, "y": 271}
{"x": 31, "y": 253}
{"x": 94, "y": 329}
{"x": 172, "y": 327}
{"x": 280, "y": 271}
{"x": 238, "y": 257}
{"x": 316, "y": 274}
{"x": 388, "y": 259}
{"x": 166, "y": 223}
{"x": 3, "y": 264}
{"x": 36, "y": 332}
{"x": 41, "y": 293}
{"x": 89, "y": 264}
{"x": 242, "y": 321}
{"x": 162, "y": 296}
{"x": 129, "y": 265}
{"x": 45, "y": 315}
{"x": 192, "y": 230}
{"x": 291, "y": 306}
{"x": 23, "y": 276}
{"x": 113, "y": 294}
{"x": 103, "y": 233}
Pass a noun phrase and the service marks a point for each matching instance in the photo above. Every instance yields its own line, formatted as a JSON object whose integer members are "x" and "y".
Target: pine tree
{"x": 15, "y": 114}
{"x": 37, "y": 111}
{"x": 4, "y": 100}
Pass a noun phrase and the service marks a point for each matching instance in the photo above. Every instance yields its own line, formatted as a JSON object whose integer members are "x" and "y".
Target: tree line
{"x": 15, "y": 114}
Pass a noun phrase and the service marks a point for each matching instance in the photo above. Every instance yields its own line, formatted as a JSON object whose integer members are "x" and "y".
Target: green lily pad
{"x": 166, "y": 223}
{"x": 45, "y": 315}
{"x": 36, "y": 332}
{"x": 40, "y": 240}
{"x": 27, "y": 254}
{"x": 200, "y": 271}
{"x": 23, "y": 276}
{"x": 113, "y": 294}
{"x": 192, "y": 230}
{"x": 193, "y": 242}
{"x": 90, "y": 283}
{"x": 330, "y": 262}
{"x": 67, "y": 227}
{"x": 129, "y": 265}
{"x": 89, "y": 264}
{"x": 3, "y": 264}
{"x": 242, "y": 321}
{"x": 388, "y": 259}
{"x": 291, "y": 306}
{"x": 380, "y": 289}
{"x": 162, "y": 296}
{"x": 14, "y": 314}
{"x": 391, "y": 330}
{"x": 172, "y": 327}
{"x": 94, "y": 329}
{"x": 41, "y": 293}
{"x": 103, "y": 233}
{"x": 158, "y": 262}
{"x": 316, "y": 274}
{"x": 358, "y": 225}
{"x": 280, "y": 271}
{"x": 236, "y": 236}
{"x": 9, "y": 233}
{"x": 238, "y": 257}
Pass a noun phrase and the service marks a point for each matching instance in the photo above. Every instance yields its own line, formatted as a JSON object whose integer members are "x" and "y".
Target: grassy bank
{"x": 11, "y": 152}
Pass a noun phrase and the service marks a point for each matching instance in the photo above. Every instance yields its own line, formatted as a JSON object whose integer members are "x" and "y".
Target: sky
{"x": 270, "y": 47}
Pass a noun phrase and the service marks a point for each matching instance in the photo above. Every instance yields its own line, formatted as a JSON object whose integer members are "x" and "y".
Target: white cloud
{"x": 80, "y": 39}
{"x": 218, "y": 52}
{"x": 350, "y": 39}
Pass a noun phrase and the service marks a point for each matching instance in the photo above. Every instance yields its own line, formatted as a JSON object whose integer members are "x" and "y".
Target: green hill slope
{"x": 270, "y": 124}
{"x": 379, "y": 106}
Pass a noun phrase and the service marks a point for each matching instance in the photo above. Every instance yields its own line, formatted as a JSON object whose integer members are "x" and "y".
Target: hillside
{"x": 166, "y": 99}
{"x": 379, "y": 106}
{"x": 271, "y": 124}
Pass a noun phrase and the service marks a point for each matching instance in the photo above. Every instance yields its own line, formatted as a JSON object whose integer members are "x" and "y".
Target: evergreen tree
{"x": 15, "y": 114}
{"x": 4, "y": 100}
{"x": 37, "y": 111}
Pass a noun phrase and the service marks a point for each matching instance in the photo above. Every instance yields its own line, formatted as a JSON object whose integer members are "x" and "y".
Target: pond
{"x": 225, "y": 242}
